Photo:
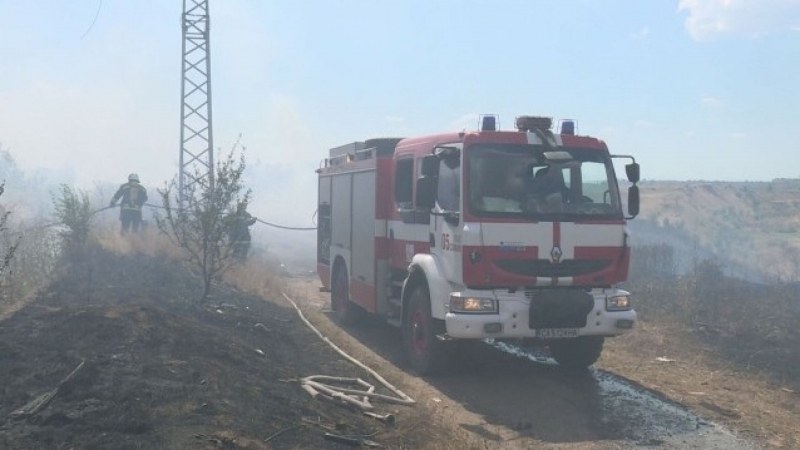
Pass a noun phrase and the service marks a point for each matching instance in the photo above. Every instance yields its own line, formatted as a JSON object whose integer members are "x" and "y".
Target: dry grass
{"x": 751, "y": 325}
{"x": 149, "y": 242}
{"x": 724, "y": 347}
{"x": 257, "y": 277}
{"x": 33, "y": 266}
{"x": 667, "y": 358}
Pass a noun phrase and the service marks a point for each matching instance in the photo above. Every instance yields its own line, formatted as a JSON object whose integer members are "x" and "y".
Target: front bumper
{"x": 513, "y": 318}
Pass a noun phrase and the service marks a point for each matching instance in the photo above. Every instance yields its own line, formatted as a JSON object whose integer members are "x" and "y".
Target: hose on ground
{"x": 360, "y": 398}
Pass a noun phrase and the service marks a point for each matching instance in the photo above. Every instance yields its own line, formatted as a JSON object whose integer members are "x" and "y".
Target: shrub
{"x": 73, "y": 210}
{"x": 195, "y": 220}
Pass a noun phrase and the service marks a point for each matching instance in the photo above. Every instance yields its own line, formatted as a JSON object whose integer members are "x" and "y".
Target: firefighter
{"x": 549, "y": 191}
{"x": 238, "y": 225}
{"x": 133, "y": 196}
{"x": 548, "y": 181}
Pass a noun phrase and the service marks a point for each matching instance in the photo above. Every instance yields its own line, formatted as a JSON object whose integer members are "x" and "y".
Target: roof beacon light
{"x": 568, "y": 127}
{"x": 489, "y": 122}
{"x": 529, "y": 123}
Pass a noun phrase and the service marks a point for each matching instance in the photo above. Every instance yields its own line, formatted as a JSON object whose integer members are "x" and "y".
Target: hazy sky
{"x": 695, "y": 89}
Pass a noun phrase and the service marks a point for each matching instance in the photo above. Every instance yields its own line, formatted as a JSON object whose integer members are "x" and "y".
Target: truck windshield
{"x": 540, "y": 182}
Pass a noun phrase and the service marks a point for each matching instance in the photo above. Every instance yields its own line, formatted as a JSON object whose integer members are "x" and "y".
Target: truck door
{"x": 446, "y": 224}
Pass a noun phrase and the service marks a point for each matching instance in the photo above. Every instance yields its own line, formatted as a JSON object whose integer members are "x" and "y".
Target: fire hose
{"x": 316, "y": 385}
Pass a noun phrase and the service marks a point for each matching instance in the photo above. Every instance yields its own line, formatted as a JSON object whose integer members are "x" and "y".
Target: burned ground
{"x": 161, "y": 370}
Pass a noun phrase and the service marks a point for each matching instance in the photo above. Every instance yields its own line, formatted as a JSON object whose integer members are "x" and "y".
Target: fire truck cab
{"x": 487, "y": 234}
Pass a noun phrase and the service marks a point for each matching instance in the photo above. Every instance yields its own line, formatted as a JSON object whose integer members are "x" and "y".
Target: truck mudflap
{"x": 549, "y": 314}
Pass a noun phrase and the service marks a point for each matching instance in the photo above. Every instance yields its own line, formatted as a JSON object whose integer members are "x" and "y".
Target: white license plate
{"x": 555, "y": 333}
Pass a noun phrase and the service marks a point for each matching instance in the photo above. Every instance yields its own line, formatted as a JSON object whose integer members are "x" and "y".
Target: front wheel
{"x": 576, "y": 353}
{"x": 423, "y": 350}
{"x": 346, "y": 311}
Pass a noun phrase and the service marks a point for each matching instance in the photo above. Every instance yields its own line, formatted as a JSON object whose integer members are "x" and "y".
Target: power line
{"x": 96, "y": 15}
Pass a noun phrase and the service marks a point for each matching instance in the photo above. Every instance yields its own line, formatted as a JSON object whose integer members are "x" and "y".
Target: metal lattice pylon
{"x": 197, "y": 138}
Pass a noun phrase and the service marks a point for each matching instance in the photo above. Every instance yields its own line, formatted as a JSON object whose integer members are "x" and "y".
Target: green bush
{"x": 73, "y": 211}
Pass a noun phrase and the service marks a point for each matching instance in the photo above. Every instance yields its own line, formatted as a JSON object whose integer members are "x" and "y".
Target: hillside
{"x": 751, "y": 228}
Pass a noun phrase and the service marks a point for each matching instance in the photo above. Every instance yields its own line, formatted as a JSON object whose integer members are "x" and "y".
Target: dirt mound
{"x": 156, "y": 369}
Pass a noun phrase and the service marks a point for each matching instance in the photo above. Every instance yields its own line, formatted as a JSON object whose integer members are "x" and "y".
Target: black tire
{"x": 423, "y": 350}
{"x": 346, "y": 312}
{"x": 576, "y": 354}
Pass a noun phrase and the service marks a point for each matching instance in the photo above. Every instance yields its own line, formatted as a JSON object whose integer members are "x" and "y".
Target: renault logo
{"x": 555, "y": 254}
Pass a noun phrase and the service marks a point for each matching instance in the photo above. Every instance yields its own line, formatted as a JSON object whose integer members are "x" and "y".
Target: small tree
{"x": 73, "y": 210}
{"x": 198, "y": 224}
{"x": 9, "y": 244}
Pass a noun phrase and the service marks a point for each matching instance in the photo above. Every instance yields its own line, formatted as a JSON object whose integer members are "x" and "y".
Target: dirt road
{"x": 500, "y": 396}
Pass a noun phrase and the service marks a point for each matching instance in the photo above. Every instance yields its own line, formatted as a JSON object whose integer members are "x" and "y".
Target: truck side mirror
{"x": 633, "y": 201}
{"x": 426, "y": 192}
{"x": 632, "y": 170}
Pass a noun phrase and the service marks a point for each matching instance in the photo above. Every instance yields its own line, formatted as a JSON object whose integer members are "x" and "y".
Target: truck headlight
{"x": 618, "y": 303}
{"x": 474, "y": 305}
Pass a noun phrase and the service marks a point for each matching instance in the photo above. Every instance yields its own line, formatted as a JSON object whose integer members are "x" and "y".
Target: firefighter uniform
{"x": 239, "y": 231}
{"x": 133, "y": 196}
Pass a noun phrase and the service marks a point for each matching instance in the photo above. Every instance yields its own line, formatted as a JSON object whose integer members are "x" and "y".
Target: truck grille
{"x": 545, "y": 268}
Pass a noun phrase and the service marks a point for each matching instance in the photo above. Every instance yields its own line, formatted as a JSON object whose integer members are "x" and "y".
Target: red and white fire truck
{"x": 485, "y": 234}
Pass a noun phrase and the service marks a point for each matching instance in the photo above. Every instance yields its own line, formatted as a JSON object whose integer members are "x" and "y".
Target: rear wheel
{"x": 346, "y": 311}
{"x": 578, "y": 353}
{"x": 423, "y": 350}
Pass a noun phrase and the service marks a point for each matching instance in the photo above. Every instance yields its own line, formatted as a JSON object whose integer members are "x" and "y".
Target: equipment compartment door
{"x": 341, "y": 203}
{"x": 363, "y": 240}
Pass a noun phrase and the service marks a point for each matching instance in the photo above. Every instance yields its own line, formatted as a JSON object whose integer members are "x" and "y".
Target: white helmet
{"x": 133, "y": 177}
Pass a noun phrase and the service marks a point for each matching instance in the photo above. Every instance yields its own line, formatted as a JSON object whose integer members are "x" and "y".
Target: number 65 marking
{"x": 445, "y": 241}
